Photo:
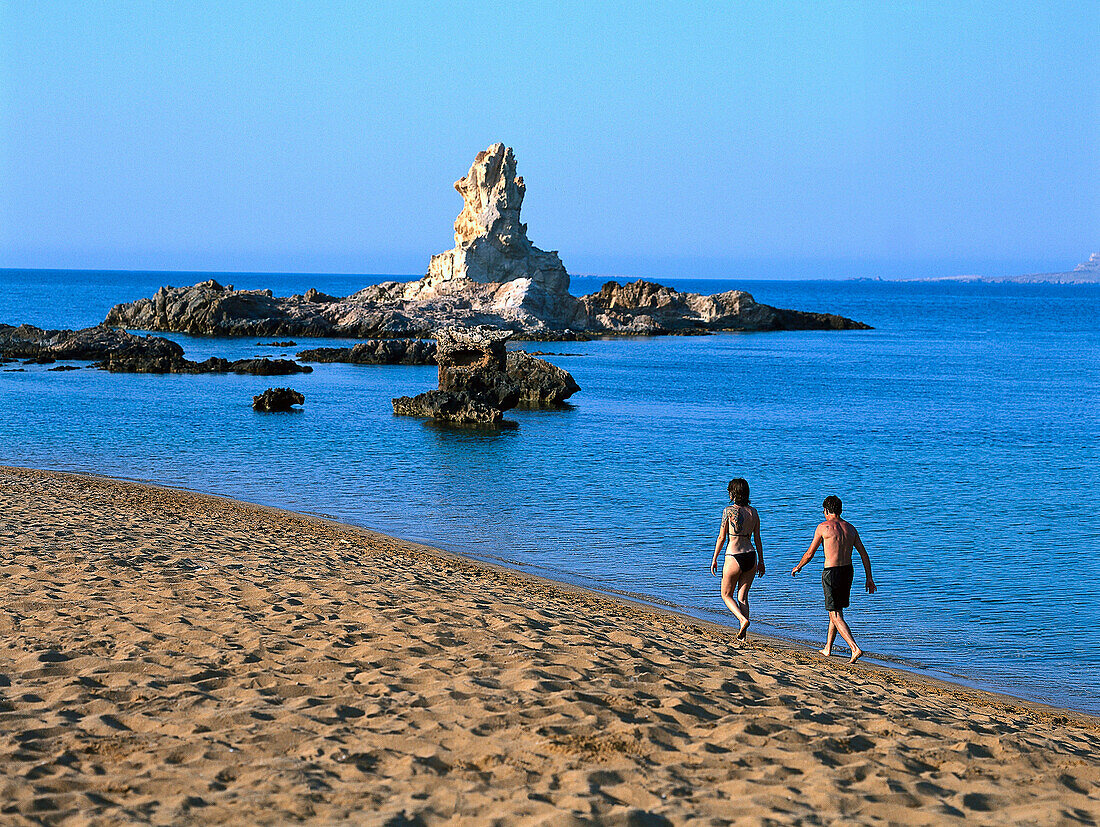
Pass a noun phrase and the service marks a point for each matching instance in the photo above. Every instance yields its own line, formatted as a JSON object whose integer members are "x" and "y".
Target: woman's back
{"x": 741, "y": 521}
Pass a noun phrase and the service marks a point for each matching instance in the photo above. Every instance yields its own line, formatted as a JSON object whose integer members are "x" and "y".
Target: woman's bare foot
{"x": 856, "y": 655}
{"x": 744, "y": 628}
{"x": 827, "y": 652}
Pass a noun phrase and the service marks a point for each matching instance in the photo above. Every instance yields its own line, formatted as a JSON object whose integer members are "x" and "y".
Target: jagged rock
{"x": 65, "y": 367}
{"x": 29, "y": 342}
{"x": 287, "y": 343}
{"x": 541, "y": 384}
{"x": 473, "y": 380}
{"x": 479, "y": 379}
{"x": 643, "y": 307}
{"x": 121, "y": 352}
{"x": 446, "y": 406}
{"x": 124, "y": 363}
{"x": 376, "y": 352}
{"x": 277, "y": 400}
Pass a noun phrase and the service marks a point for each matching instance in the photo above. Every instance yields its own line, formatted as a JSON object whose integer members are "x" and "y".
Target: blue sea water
{"x": 962, "y": 433}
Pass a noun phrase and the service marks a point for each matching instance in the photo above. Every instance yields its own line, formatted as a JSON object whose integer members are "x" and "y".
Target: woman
{"x": 740, "y": 526}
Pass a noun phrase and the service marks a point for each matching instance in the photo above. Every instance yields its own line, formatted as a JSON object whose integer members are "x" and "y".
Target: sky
{"x": 731, "y": 139}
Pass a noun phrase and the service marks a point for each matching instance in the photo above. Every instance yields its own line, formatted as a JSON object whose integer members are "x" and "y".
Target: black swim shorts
{"x": 837, "y": 581}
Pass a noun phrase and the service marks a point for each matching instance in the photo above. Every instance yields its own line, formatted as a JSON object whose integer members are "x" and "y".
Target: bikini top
{"x": 733, "y": 514}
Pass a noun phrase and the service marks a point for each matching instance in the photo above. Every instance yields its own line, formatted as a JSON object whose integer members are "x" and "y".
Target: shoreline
{"x": 913, "y": 672}
{"x": 176, "y": 656}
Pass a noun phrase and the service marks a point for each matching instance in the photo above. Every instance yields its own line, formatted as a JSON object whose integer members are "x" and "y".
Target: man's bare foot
{"x": 826, "y": 652}
{"x": 744, "y": 628}
{"x": 856, "y": 655}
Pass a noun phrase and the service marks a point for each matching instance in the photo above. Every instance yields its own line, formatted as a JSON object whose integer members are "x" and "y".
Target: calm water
{"x": 962, "y": 434}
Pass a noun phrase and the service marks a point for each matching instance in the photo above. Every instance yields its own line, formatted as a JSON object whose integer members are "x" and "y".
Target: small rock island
{"x": 493, "y": 276}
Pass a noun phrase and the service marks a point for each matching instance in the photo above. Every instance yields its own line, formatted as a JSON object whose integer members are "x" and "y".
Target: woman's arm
{"x": 759, "y": 546}
{"x": 718, "y": 545}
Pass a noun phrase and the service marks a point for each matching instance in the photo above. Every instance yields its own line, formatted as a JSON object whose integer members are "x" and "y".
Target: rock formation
{"x": 540, "y": 383}
{"x": 277, "y": 400}
{"x": 645, "y": 308}
{"x": 494, "y": 276}
{"x": 121, "y": 352}
{"x": 479, "y": 380}
{"x": 1092, "y": 266}
{"x": 376, "y": 352}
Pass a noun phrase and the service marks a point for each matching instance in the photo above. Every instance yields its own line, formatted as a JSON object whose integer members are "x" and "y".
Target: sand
{"x": 178, "y": 658}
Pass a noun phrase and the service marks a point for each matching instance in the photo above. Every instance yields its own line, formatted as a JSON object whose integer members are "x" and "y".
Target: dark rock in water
{"x": 123, "y": 363}
{"x": 448, "y": 406}
{"x": 39, "y": 360}
{"x": 376, "y": 352}
{"x": 287, "y": 343}
{"x": 277, "y": 400}
{"x": 474, "y": 362}
{"x": 645, "y": 308}
{"x": 121, "y": 352}
{"x": 541, "y": 384}
{"x": 66, "y": 367}
{"x": 479, "y": 379}
{"x": 473, "y": 382}
{"x": 29, "y": 342}
{"x": 267, "y": 367}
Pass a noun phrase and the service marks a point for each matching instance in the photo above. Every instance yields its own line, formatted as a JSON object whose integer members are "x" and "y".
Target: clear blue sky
{"x": 695, "y": 139}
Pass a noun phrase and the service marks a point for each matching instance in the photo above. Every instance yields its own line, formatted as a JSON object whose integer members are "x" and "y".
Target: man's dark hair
{"x": 832, "y": 505}
{"x": 739, "y": 491}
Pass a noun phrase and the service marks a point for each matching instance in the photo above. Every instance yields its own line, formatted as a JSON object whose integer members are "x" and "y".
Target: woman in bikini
{"x": 740, "y": 527}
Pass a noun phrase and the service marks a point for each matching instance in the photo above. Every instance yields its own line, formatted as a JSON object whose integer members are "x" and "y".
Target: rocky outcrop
{"x": 491, "y": 244}
{"x": 29, "y": 342}
{"x": 473, "y": 382}
{"x": 121, "y": 352}
{"x": 541, "y": 384}
{"x": 645, "y": 308}
{"x": 277, "y": 400}
{"x": 493, "y": 276}
{"x": 479, "y": 380}
{"x": 376, "y": 352}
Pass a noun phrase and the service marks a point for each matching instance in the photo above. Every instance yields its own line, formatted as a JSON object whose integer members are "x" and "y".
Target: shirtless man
{"x": 839, "y": 537}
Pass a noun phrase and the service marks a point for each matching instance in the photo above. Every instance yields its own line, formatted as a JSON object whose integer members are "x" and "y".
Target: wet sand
{"x": 173, "y": 657}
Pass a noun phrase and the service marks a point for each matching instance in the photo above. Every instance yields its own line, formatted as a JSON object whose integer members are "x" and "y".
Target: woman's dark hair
{"x": 739, "y": 491}
{"x": 832, "y": 504}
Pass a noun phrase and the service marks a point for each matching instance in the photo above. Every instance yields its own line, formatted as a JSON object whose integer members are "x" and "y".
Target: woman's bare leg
{"x": 730, "y": 576}
{"x": 830, "y": 636}
{"x": 743, "y": 584}
{"x": 837, "y": 619}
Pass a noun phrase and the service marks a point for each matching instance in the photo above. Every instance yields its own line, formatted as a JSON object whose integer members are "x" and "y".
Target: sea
{"x": 962, "y": 434}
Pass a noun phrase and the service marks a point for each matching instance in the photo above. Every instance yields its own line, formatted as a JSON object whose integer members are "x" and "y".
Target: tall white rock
{"x": 491, "y": 244}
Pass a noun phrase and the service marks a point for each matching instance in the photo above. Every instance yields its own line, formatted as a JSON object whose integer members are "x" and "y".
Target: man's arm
{"x": 718, "y": 545}
{"x": 809, "y": 555}
{"x": 871, "y": 587}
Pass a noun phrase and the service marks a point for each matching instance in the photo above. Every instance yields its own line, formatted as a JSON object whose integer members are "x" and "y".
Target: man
{"x": 839, "y": 537}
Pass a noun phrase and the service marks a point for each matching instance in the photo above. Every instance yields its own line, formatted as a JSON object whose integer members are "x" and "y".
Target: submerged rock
{"x": 493, "y": 276}
{"x": 277, "y": 400}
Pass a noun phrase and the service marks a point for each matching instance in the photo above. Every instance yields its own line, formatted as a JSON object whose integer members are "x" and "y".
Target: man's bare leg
{"x": 729, "y": 597}
{"x": 836, "y": 619}
{"x": 830, "y": 636}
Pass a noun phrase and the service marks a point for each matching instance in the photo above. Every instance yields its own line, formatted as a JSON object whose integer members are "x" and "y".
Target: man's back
{"x": 838, "y": 537}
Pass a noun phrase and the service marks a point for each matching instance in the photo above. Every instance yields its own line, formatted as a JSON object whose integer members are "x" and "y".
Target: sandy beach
{"x": 179, "y": 658}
